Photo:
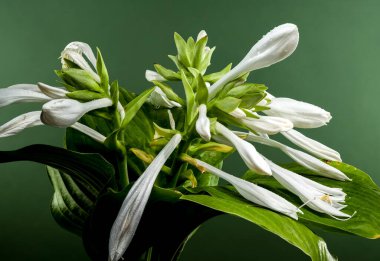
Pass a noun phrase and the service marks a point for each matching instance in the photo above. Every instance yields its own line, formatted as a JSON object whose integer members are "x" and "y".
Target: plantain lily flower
{"x": 268, "y": 124}
{"x": 22, "y": 93}
{"x": 202, "y": 125}
{"x": 301, "y": 114}
{"x": 313, "y": 147}
{"x": 274, "y": 47}
{"x": 159, "y": 99}
{"x": 19, "y": 123}
{"x": 65, "y": 112}
{"x": 254, "y": 193}
{"x": 317, "y": 166}
{"x": 153, "y": 76}
{"x": 130, "y": 213}
{"x": 316, "y": 196}
{"x": 52, "y": 92}
{"x": 246, "y": 150}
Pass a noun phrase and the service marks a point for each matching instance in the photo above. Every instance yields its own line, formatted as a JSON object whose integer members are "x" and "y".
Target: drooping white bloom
{"x": 274, "y": 47}
{"x": 246, "y": 150}
{"x": 202, "y": 125}
{"x": 254, "y": 193}
{"x": 316, "y": 196}
{"x": 317, "y": 166}
{"x": 159, "y": 99}
{"x": 19, "y": 123}
{"x": 268, "y": 124}
{"x": 52, "y": 92}
{"x": 301, "y": 114}
{"x": 65, "y": 112}
{"x": 21, "y": 93}
{"x": 89, "y": 132}
{"x": 74, "y": 52}
{"x": 134, "y": 204}
{"x": 313, "y": 147}
{"x": 153, "y": 76}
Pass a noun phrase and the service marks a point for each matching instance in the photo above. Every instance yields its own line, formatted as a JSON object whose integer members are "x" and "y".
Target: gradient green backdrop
{"x": 337, "y": 66}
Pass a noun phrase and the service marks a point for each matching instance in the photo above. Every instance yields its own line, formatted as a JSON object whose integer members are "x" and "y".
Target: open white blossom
{"x": 203, "y": 123}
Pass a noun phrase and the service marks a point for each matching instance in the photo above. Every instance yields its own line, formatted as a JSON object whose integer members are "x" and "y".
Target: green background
{"x": 336, "y": 66}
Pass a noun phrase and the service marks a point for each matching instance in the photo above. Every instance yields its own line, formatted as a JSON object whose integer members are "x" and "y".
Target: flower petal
{"x": 20, "y": 123}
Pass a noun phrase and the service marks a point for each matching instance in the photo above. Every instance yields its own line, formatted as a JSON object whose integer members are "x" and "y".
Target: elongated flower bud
{"x": 89, "y": 132}
{"x": 201, "y": 34}
{"x": 130, "y": 213}
{"x": 74, "y": 52}
{"x": 313, "y": 147}
{"x": 247, "y": 151}
{"x": 238, "y": 113}
{"x": 254, "y": 193}
{"x": 274, "y": 47}
{"x": 20, "y": 123}
{"x": 52, "y": 92}
{"x": 318, "y": 197}
{"x": 21, "y": 93}
{"x": 159, "y": 99}
{"x": 203, "y": 123}
{"x": 301, "y": 114}
{"x": 153, "y": 76}
{"x": 268, "y": 124}
{"x": 65, "y": 112}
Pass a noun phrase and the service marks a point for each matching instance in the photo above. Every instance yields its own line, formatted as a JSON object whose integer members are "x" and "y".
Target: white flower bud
{"x": 65, "y": 112}
{"x": 21, "y": 93}
{"x": 312, "y": 146}
{"x": 246, "y": 150}
{"x": 274, "y": 47}
{"x": 201, "y": 34}
{"x": 302, "y": 114}
{"x": 159, "y": 99}
{"x": 153, "y": 76}
{"x": 53, "y": 92}
{"x": 268, "y": 124}
{"x": 238, "y": 113}
{"x": 203, "y": 123}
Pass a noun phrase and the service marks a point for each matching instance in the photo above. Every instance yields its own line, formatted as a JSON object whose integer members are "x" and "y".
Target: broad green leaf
{"x": 363, "y": 196}
{"x": 90, "y": 168}
{"x": 134, "y": 106}
{"x": 213, "y": 77}
{"x": 293, "y": 232}
{"x": 80, "y": 79}
{"x": 190, "y": 98}
{"x": 250, "y": 100}
{"x": 167, "y": 73}
{"x": 102, "y": 71}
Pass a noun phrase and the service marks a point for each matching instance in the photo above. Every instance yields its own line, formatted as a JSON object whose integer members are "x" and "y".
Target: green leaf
{"x": 213, "y": 77}
{"x": 134, "y": 106}
{"x": 167, "y": 73}
{"x": 228, "y": 104}
{"x": 114, "y": 92}
{"x": 169, "y": 92}
{"x": 90, "y": 168}
{"x": 190, "y": 98}
{"x": 363, "y": 196}
{"x": 80, "y": 79}
{"x": 85, "y": 95}
{"x": 202, "y": 91}
{"x": 206, "y": 61}
{"x": 198, "y": 52}
{"x": 182, "y": 50}
{"x": 102, "y": 71}
{"x": 293, "y": 232}
{"x": 247, "y": 89}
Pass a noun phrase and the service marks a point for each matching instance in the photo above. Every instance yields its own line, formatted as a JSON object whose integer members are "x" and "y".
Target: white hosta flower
{"x": 301, "y": 114}
{"x": 21, "y": 93}
{"x": 254, "y": 193}
{"x": 316, "y": 196}
{"x": 52, "y": 92}
{"x": 268, "y": 124}
{"x": 153, "y": 76}
{"x": 246, "y": 150}
{"x": 159, "y": 99}
{"x": 65, "y": 112}
{"x": 134, "y": 204}
{"x": 313, "y": 147}
{"x": 19, "y": 123}
{"x": 274, "y": 47}
{"x": 317, "y": 166}
{"x": 74, "y": 52}
{"x": 202, "y": 125}
{"x": 89, "y": 132}
{"x": 238, "y": 113}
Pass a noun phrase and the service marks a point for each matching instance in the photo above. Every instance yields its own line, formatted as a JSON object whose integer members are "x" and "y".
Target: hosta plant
{"x": 139, "y": 173}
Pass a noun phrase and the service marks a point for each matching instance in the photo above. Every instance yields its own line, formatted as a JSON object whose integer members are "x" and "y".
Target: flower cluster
{"x": 205, "y": 120}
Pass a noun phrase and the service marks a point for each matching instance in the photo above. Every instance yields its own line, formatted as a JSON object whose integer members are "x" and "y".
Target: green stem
{"x": 122, "y": 167}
